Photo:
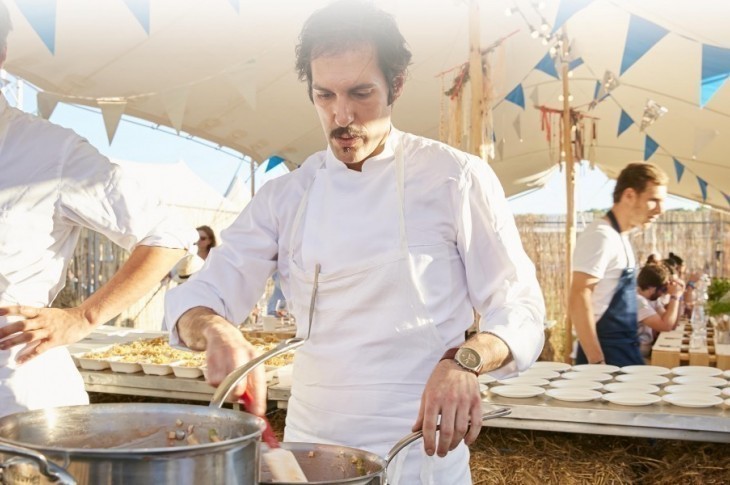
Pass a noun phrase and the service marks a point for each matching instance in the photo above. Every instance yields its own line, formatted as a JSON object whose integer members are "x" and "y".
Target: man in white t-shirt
{"x": 654, "y": 281}
{"x": 602, "y": 302}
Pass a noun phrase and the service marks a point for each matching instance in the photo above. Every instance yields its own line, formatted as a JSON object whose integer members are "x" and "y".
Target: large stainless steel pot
{"x": 105, "y": 444}
{"x": 332, "y": 464}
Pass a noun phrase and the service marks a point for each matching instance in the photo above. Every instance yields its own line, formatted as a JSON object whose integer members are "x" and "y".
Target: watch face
{"x": 468, "y": 358}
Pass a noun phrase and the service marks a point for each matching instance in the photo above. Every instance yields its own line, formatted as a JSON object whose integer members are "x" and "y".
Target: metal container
{"x": 333, "y": 464}
{"x": 108, "y": 444}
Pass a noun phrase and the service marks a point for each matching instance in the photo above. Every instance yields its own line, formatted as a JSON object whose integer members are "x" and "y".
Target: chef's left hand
{"x": 453, "y": 394}
{"x": 42, "y": 329}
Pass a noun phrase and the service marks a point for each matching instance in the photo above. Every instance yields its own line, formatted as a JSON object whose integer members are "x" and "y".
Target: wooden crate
{"x": 672, "y": 350}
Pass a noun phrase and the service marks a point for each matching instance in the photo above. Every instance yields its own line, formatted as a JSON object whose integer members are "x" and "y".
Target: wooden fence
{"x": 701, "y": 237}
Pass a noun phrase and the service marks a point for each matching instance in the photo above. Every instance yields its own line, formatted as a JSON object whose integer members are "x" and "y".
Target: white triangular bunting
{"x": 535, "y": 97}
{"x": 517, "y": 124}
{"x": 111, "y": 111}
{"x": 174, "y": 102}
{"x": 703, "y": 137}
{"x": 243, "y": 79}
{"x": 46, "y": 104}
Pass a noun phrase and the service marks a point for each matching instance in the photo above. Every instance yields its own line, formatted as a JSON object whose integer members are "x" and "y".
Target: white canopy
{"x": 223, "y": 70}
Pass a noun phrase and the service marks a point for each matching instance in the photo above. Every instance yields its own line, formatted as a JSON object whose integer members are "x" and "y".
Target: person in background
{"x": 276, "y": 296}
{"x": 206, "y": 241}
{"x": 655, "y": 281}
{"x": 404, "y": 236}
{"x": 53, "y": 184}
{"x": 602, "y": 299}
{"x": 675, "y": 263}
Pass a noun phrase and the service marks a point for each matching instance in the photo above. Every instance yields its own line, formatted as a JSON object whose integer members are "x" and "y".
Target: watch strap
{"x": 451, "y": 355}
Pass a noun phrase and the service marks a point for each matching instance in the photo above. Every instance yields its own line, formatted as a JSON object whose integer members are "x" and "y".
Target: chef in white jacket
{"x": 53, "y": 183}
{"x": 409, "y": 235}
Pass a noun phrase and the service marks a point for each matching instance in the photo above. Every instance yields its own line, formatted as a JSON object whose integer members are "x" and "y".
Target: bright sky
{"x": 137, "y": 140}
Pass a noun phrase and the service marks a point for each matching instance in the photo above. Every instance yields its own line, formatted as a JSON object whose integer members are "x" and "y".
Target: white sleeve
{"x": 644, "y": 310}
{"x": 235, "y": 273}
{"x": 95, "y": 194}
{"x": 501, "y": 278}
{"x": 593, "y": 251}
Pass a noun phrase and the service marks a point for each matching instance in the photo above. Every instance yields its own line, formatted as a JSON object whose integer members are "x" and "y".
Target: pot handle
{"x": 224, "y": 388}
{"x": 408, "y": 439}
{"x": 54, "y": 472}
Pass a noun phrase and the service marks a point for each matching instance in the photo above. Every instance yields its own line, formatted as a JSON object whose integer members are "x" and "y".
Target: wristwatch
{"x": 466, "y": 358}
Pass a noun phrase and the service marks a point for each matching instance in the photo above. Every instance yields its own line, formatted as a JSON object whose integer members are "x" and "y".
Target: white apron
{"x": 49, "y": 380}
{"x": 359, "y": 378}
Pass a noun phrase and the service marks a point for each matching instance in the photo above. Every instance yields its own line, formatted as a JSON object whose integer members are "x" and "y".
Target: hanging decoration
{"x": 236, "y": 5}
{"x": 678, "y": 168}
{"x": 41, "y": 15}
{"x": 547, "y": 65}
{"x": 641, "y": 36}
{"x": 273, "y": 162}
{"x": 715, "y": 71}
{"x": 517, "y": 125}
{"x": 567, "y": 9}
{"x": 174, "y": 102}
{"x": 703, "y": 137}
{"x": 46, "y": 104}
{"x": 650, "y": 146}
{"x": 604, "y": 88}
{"x": 652, "y": 112}
{"x": 141, "y": 11}
{"x": 112, "y": 111}
{"x": 703, "y": 188}
{"x": 517, "y": 96}
{"x": 243, "y": 79}
{"x": 624, "y": 123}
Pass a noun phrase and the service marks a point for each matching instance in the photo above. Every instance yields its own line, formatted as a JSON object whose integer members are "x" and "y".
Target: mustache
{"x": 348, "y": 131}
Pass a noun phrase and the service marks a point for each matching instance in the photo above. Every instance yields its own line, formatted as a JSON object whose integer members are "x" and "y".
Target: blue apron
{"x": 617, "y": 329}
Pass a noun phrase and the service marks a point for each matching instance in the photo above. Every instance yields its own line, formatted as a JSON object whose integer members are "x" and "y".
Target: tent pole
{"x": 253, "y": 178}
{"x": 475, "y": 78}
{"x": 570, "y": 194}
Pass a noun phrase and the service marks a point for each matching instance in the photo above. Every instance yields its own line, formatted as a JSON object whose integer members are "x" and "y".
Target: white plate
{"x": 483, "y": 387}
{"x": 642, "y": 378}
{"x": 588, "y": 376}
{"x": 602, "y": 368}
{"x": 486, "y": 379}
{"x": 646, "y": 369}
{"x": 92, "y": 364}
{"x": 725, "y": 392}
{"x": 186, "y": 372}
{"x": 517, "y": 391}
{"x": 701, "y": 381}
{"x": 631, "y": 398}
{"x": 576, "y": 384}
{"x": 540, "y": 373}
{"x": 631, "y": 387}
{"x": 726, "y": 374}
{"x": 697, "y": 390}
{"x": 573, "y": 395}
{"x": 691, "y": 401}
{"x": 124, "y": 367}
{"x": 549, "y": 365}
{"x": 696, "y": 370}
{"x": 524, "y": 381}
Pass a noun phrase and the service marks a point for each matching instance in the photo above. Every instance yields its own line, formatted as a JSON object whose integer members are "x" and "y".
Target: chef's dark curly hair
{"x": 345, "y": 24}
{"x": 5, "y": 25}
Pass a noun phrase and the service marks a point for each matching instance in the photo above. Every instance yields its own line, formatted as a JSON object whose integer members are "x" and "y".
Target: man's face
{"x": 350, "y": 94}
{"x": 647, "y": 205}
{"x": 658, "y": 292}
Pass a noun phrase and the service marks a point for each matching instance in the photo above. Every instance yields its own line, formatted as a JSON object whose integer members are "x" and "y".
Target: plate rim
{"x": 668, "y": 398}
{"x": 538, "y": 391}
{"x": 653, "y": 398}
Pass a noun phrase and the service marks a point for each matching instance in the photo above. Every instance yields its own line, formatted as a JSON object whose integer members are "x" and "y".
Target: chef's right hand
{"x": 225, "y": 350}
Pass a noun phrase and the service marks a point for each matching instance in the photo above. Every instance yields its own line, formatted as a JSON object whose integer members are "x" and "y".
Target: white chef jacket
{"x": 53, "y": 183}
{"x": 458, "y": 223}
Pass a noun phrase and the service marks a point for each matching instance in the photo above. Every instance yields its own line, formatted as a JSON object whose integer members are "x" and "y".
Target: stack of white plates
{"x": 517, "y": 391}
{"x": 690, "y": 400}
{"x": 589, "y": 376}
{"x": 631, "y": 387}
{"x": 646, "y": 369}
{"x": 642, "y": 378}
{"x": 629, "y": 398}
{"x": 694, "y": 389}
{"x": 600, "y": 368}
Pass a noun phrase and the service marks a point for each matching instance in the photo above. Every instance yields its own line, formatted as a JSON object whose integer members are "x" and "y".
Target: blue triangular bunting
{"x": 41, "y": 15}
{"x": 703, "y": 188}
{"x": 597, "y": 90}
{"x": 141, "y": 10}
{"x": 575, "y": 63}
{"x": 624, "y": 122}
{"x": 679, "y": 168}
{"x": 547, "y": 65}
{"x": 650, "y": 147}
{"x": 727, "y": 198}
{"x": 715, "y": 71}
{"x": 641, "y": 37}
{"x": 273, "y": 162}
{"x": 567, "y": 9}
{"x": 517, "y": 96}
{"x": 236, "y": 5}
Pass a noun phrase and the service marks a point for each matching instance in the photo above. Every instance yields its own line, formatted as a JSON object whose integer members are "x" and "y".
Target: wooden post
{"x": 570, "y": 194}
{"x": 475, "y": 78}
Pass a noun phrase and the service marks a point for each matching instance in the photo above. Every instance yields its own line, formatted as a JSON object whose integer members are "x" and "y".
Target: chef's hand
{"x": 225, "y": 350}
{"x": 453, "y": 394}
{"x": 42, "y": 329}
